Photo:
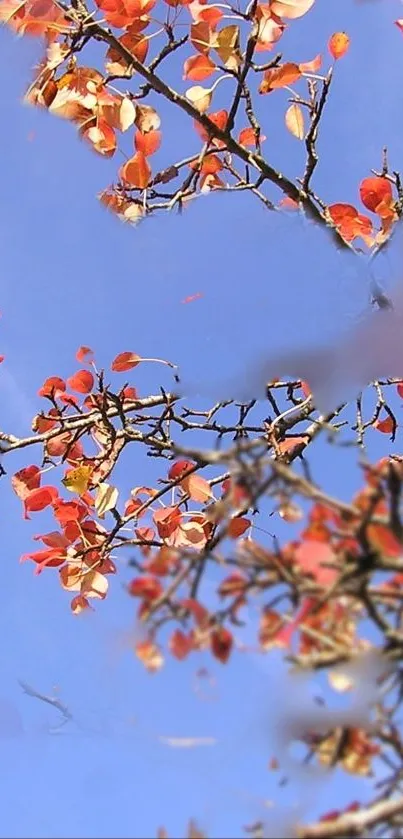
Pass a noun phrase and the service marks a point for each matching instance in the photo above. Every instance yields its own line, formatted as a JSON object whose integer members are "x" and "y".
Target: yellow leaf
{"x": 200, "y": 97}
{"x": 227, "y": 46}
{"x": 78, "y": 480}
{"x": 294, "y": 120}
{"x": 106, "y": 499}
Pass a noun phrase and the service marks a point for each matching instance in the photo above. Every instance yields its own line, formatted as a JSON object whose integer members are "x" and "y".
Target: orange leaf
{"x": 81, "y": 382}
{"x": 79, "y": 604}
{"x": 386, "y": 426}
{"x": 125, "y": 361}
{"x": 197, "y": 488}
{"x": 373, "y": 191}
{"x": 198, "y": 67}
{"x": 102, "y": 137}
{"x": 311, "y": 66}
{"x": 237, "y": 527}
{"x": 136, "y": 171}
{"x": 202, "y": 36}
{"x": 247, "y": 137}
{"x": 167, "y": 521}
{"x": 338, "y": 44}
{"x": 147, "y": 143}
{"x": 281, "y": 76}
{"x": 84, "y": 354}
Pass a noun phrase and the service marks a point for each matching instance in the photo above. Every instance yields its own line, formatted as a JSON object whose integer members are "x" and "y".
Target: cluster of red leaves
{"x": 377, "y": 196}
{"x": 167, "y": 536}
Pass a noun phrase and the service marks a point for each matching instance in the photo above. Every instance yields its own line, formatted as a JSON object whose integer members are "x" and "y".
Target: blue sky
{"x": 73, "y": 275}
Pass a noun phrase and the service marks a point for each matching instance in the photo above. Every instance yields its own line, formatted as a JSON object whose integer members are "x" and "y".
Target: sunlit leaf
{"x": 106, "y": 499}
{"x": 294, "y": 120}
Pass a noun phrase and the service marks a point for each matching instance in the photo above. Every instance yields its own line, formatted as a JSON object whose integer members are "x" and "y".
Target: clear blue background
{"x": 71, "y": 275}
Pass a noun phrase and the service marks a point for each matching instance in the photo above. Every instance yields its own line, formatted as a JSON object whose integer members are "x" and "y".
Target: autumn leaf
{"x": 202, "y": 36}
{"x": 221, "y": 644}
{"x": 81, "y": 382}
{"x": 25, "y": 480}
{"x": 291, "y": 8}
{"x": 338, "y": 44}
{"x": 294, "y": 120}
{"x": 37, "y": 499}
{"x": 84, "y": 354}
{"x": 227, "y": 46}
{"x": 78, "y": 480}
{"x": 197, "y": 488}
{"x": 125, "y": 361}
{"x": 198, "y": 67}
{"x": 180, "y": 644}
{"x": 237, "y": 527}
{"x": 147, "y": 143}
{"x": 147, "y": 118}
{"x": 106, "y": 499}
{"x": 373, "y": 191}
{"x": 149, "y": 654}
{"x": 247, "y": 137}
{"x": 200, "y": 97}
{"x": 281, "y": 76}
{"x": 311, "y": 66}
{"x": 386, "y": 426}
{"x": 179, "y": 467}
{"x": 136, "y": 171}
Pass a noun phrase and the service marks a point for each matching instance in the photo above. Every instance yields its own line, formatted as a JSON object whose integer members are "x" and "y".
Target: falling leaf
{"x": 294, "y": 120}
{"x": 338, "y": 44}
{"x": 78, "y": 480}
{"x": 106, "y": 499}
{"x": 191, "y": 297}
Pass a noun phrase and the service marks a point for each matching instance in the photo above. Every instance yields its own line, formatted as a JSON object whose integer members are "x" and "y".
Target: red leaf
{"x": 81, "y": 382}
{"x": 233, "y": 585}
{"x": 178, "y": 468}
{"x": 221, "y": 644}
{"x": 66, "y": 511}
{"x": 167, "y": 520}
{"x": 247, "y": 137}
{"x": 311, "y": 555}
{"x": 237, "y": 527}
{"x": 38, "y": 499}
{"x": 147, "y": 143}
{"x": 25, "y": 480}
{"x": 51, "y": 558}
{"x": 386, "y": 426}
{"x": 125, "y": 361}
{"x": 149, "y": 588}
{"x": 53, "y": 387}
{"x": 84, "y": 354}
{"x": 180, "y": 644}
{"x": 373, "y": 191}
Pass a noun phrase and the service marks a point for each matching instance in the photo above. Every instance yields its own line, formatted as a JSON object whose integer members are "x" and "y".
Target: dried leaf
{"x": 200, "y": 97}
{"x": 106, "y": 499}
{"x": 294, "y": 120}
